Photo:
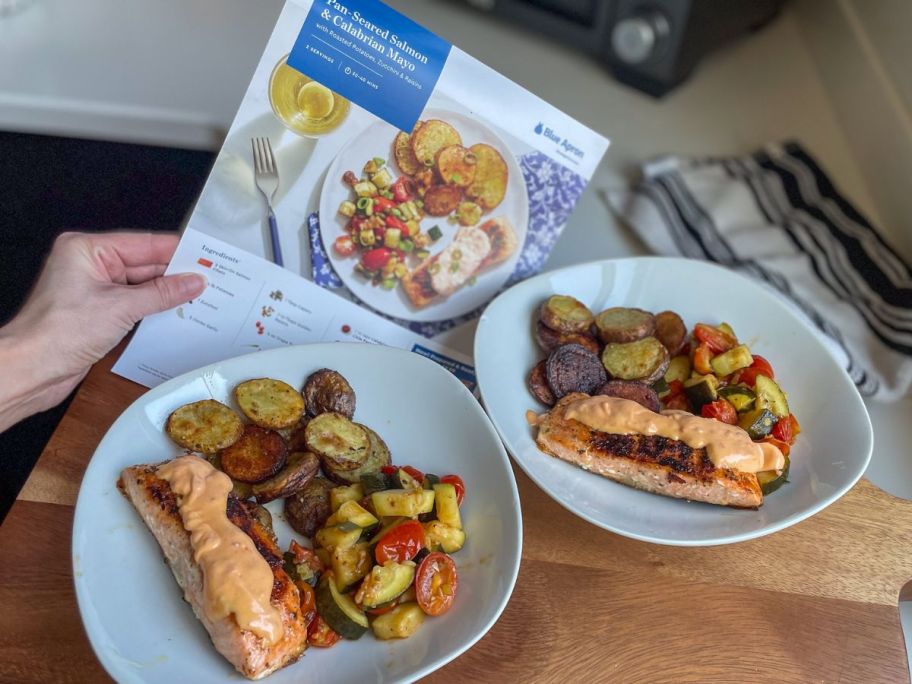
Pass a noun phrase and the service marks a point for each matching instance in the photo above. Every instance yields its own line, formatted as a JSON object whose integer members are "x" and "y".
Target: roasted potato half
{"x": 257, "y": 455}
{"x": 670, "y": 331}
{"x": 432, "y": 137}
{"x": 379, "y": 457}
{"x": 550, "y": 340}
{"x": 621, "y": 324}
{"x": 566, "y": 314}
{"x": 205, "y": 426}
{"x": 307, "y": 509}
{"x": 491, "y": 174}
{"x": 338, "y": 442}
{"x": 538, "y": 385}
{"x": 241, "y": 490}
{"x": 645, "y": 360}
{"x": 405, "y": 157}
{"x": 270, "y": 403}
{"x": 441, "y": 200}
{"x": 300, "y": 469}
{"x": 327, "y": 391}
{"x": 572, "y": 368}
{"x": 456, "y": 165}
{"x": 632, "y": 390}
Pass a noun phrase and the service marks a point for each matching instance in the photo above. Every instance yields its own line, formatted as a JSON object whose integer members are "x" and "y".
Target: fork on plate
{"x": 267, "y": 182}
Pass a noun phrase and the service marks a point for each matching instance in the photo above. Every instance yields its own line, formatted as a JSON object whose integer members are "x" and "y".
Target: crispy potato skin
{"x": 621, "y": 324}
{"x": 204, "y": 426}
{"x": 671, "y": 331}
{"x": 645, "y": 360}
{"x": 432, "y": 137}
{"x": 257, "y": 455}
{"x": 327, "y": 391}
{"x": 550, "y": 340}
{"x": 301, "y": 468}
{"x": 572, "y": 368}
{"x": 441, "y": 200}
{"x": 269, "y": 403}
{"x": 491, "y": 175}
{"x": 633, "y": 390}
{"x": 566, "y": 314}
{"x": 538, "y": 385}
{"x": 308, "y": 509}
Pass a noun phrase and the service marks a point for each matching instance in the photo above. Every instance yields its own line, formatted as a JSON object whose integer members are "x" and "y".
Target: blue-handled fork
{"x": 267, "y": 182}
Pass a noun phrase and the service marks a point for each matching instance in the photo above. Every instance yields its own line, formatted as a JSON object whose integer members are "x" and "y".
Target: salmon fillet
{"x": 648, "y": 462}
{"x": 250, "y": 654}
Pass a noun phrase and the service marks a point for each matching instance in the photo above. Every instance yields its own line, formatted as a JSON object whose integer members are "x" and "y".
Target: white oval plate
{"x": 829, "y": 457}
{"x": 377, "y": 141}
{"x": 134, "y": 613}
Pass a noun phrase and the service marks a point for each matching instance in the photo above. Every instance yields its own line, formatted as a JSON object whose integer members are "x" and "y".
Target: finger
{"x": 140, "y": 274}
{"x": 139, "y": 249}
{"x": 160, "y": 294}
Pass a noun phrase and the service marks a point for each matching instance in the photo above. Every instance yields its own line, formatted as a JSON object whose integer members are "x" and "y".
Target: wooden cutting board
{"x": 814, "y": 603}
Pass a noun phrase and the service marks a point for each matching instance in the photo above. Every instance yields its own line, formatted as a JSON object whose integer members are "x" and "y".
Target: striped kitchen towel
{"x": 776, "y": 216}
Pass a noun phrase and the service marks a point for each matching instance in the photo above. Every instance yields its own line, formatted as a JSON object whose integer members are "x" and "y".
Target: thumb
{"x": 162, "y": 293}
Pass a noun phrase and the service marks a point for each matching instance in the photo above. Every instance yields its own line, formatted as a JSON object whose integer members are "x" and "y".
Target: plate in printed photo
{"x": 487, "y": 251}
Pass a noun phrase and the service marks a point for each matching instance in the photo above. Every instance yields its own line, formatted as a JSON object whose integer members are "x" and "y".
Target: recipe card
{"x": 410, "y": 181}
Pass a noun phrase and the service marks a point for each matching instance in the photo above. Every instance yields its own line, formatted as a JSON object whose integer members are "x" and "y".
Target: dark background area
{"x": 49, "y": 185}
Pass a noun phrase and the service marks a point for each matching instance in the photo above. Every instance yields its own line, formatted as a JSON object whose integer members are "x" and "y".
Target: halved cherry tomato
{"x": 717, "y": 340}
{"x": 393, "y": 469}
{"x": 393, "y": 222}
{"x": 375, "y": 259}
{"x": 786, "y": 429}
{"x": 401, "y": 543}
{"x": 702, "y": 356}
{"x": 382, "y": 204}
{"x": 389, "y": 469}
{"x": 678, "y": 402}
{"x": 457, "y": 483}
{"x": 782, "y": 446}
{"x": 308, "y": 601}
{"x": 344, "y": 246}
{"x": 760, "y": 366}
{"x": 436, "y": 583}
{"x": 721, "y": 410}
{"x": 403, "y": 189}
{"x": 321, "y": 635}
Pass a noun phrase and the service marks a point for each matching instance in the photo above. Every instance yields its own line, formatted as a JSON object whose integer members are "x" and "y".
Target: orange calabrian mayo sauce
{"x": 727, "y": 446}
{"x": 236, "y": 578}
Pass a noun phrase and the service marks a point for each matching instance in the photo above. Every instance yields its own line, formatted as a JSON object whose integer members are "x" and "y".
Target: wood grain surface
{"x": 814, "y": 603}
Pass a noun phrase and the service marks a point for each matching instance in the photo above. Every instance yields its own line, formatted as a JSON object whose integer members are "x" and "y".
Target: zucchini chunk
{"x": 339, "y": 495}
{"x": 375, "y": 482}
{"x": 342, "y": 444}
{"x": 400, "y": 623}
{"x": 758, "y": 423}
{"x": 401, "y": 502}
{"x": 447, "y": 505}
{"x": 350, "y": 564}
{"x": 646, "y": 360}
{"x": 352, "y": 511}
{"x": 439, "y": 536}
{"x": 741, "y": 397}
{"x": 342, "y": 536}
{"x": 679, "y": 368}
{"x": 771, "y": 396}
{"x": 385, "y": 583}
{"x": 732, "y": 360}
{"x": 339, "y": 611}
{"x": 770, "y": 480}
{"x": 701, "y": 389}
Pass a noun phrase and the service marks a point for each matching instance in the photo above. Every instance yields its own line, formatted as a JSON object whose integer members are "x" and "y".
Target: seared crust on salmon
{"x": 648, "y": 462}
{"x": 250, "y": 654}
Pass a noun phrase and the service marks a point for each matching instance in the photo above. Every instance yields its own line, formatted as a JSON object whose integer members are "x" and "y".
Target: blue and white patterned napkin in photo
{"x": 553, "y": 191}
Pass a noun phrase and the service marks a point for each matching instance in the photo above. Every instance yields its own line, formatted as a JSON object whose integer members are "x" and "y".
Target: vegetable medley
{"x": 653, "y": 359}
{"x": 382, "y": 559}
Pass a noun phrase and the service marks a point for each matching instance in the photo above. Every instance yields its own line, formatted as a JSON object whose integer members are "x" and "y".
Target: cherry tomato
{"x": 389, "y": 469}
{"x": 760, "y": 366}
{"x": 702, "y": 356}
{"x": 393, "y": 222}
{"x": 402, "y": 189}
{"x": 308, "y": 601}
{"x": 382, "y": 204}
{"x": 401, "y": 543}
{"x": 321, "y": 635}
{"x": 304, "y": 555}
{"x": 678, "y": 402}
{"x": 721, "y": 410}
{"x": 782, "y": 446}
{"x": 715, "y": 339}
{"x": 675, "y": 387}
{"x": 375, "y": 259}
{"x": 457, "y": 483}
{"x": 414, "y": 472}
{"x": 786, "y": 429}
{"x": 436, "y": 583}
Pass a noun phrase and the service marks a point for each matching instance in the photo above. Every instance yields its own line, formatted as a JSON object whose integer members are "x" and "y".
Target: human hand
{"x": 92, "y": 291}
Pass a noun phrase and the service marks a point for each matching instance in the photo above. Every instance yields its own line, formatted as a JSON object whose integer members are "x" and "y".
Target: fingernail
{"x": 191, "y": 284}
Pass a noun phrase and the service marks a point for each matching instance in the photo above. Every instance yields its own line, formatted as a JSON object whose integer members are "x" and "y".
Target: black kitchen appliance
{"x": 651, "y": 45}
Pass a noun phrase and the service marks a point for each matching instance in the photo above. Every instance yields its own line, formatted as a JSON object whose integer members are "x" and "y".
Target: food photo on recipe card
{"x": 386, "y": 166}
